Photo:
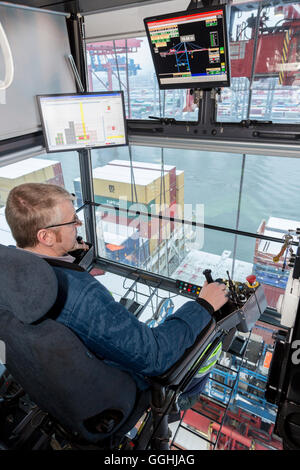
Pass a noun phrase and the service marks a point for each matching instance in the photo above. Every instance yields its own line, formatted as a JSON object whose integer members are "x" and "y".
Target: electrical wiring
{"x": 8, "y": 60}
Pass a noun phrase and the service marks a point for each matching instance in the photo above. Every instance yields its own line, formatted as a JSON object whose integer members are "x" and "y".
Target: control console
{"x": 246, "y": 301}
{"x": 188, "y": 288}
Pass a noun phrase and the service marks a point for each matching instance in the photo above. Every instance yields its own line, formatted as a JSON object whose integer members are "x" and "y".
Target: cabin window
{"x": 135, "y": 185}
{"x": 61, "y": 169}
{"x": 265, "y": 65}
{"x": 264, "y": 55}
{"x": 126, "y": 64}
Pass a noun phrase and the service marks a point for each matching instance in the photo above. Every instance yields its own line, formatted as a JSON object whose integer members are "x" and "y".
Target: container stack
{"x": 169, "y": 183}
{"x": 165, "y": 197}
{"x": 138, "y": 188}
{"x": 32, "y": 170}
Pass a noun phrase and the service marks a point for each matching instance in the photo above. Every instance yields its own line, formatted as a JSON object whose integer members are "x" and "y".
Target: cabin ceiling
{"x": 83, "y": 6}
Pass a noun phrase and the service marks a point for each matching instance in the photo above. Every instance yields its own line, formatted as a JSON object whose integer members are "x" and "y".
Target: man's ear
{"x": 45, "y": 237}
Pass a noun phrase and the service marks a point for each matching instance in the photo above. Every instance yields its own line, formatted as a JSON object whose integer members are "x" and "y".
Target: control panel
{"x": 238, "y": 292}
{"x": 188, "y": 288}
{"x": 246, "y": 300}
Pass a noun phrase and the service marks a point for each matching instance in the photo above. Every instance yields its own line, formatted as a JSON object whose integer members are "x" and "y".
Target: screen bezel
{"x": 188, "y": 85}
{"x": 87, "y": 93}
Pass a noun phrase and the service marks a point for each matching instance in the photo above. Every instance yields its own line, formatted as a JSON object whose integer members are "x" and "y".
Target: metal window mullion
{"x": 229, "y": 146}
{"x": 254, "y": 58}
{"x": 111, "y": 37}
{"x": 134, "y": 196}
{"x": 194, "y": 224}
{"x": 87, "y": 189}
{"x": 127, "y": 80}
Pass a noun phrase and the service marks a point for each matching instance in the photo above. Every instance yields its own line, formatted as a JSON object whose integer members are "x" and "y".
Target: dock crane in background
{"x": 262, "y": 49}
{"x": 278, "y": 46}
{"x": 277, "y": 55}
{"x": 105, "y": 57}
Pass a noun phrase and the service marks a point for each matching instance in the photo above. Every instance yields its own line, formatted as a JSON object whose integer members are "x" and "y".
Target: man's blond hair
{"x": 31, "y": 207}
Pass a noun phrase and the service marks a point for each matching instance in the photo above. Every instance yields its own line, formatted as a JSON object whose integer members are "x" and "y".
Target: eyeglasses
{"x": 76, "y": 221}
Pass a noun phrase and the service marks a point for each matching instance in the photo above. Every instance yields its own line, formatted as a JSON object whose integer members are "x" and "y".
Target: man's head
{"x": 42, "y": 218}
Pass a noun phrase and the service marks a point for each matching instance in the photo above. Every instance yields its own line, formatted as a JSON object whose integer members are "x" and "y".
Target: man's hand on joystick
{"x": 214, "y": 293}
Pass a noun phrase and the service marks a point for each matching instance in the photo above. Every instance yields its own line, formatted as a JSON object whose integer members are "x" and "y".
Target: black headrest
{"x": 28, "y": 285}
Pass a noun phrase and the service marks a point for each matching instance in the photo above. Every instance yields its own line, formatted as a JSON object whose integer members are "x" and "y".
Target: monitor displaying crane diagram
{"x": 83, "y": 120}
{"x": 190, "y": 48}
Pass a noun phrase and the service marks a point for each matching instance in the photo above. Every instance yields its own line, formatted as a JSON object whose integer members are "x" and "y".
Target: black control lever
{"x": 207, "y": 274}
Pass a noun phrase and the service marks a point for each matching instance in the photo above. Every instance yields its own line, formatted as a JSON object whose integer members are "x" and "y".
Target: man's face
{"x": 66, "y": 235}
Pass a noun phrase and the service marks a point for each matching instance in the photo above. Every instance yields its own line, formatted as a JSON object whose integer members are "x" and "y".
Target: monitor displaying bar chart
{"x": 83, "y": 120}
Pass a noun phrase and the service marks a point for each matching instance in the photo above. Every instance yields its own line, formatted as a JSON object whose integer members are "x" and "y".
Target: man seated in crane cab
{"x": 43, "y": 221}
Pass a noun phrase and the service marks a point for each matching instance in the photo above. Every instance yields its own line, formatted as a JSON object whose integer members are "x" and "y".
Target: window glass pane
{"x": 61, "y": 169}
{"x": 126, "y": 64}
{"x": 201, "y": 187}
{"x": 207, "y": 190}
{"x": 264, "y": 50}
{"x": 270, "y": 189}
{"x": 233, "y": 412}
{"x": 269, "y": 206}
{"x": 212, "y": 178}
{"x": 239, "y": 382}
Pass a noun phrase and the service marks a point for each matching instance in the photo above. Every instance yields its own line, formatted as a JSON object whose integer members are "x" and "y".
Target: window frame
{"x": 207, "y": 128}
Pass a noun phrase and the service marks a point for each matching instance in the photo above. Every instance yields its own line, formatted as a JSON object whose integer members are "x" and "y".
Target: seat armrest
{"x": 175, "y": 373}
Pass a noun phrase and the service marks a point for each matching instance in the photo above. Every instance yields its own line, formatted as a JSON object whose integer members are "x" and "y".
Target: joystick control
{"x": 208, "y": 276}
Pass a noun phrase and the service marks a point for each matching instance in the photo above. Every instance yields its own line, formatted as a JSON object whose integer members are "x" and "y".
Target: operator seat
{"x": 63, "y": 378}
{"x": 95, "y": 403}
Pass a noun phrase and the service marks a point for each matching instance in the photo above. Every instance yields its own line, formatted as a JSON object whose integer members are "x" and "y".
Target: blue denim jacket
{"x": 111, "y": 332}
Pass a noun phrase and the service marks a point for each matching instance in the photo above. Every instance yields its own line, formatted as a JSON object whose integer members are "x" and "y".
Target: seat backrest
{"x": 49, "y": 361}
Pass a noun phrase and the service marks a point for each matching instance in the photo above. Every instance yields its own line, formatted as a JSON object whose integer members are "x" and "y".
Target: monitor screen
{"x": 83, "y": 120}
{"x": 190, "y": 48}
